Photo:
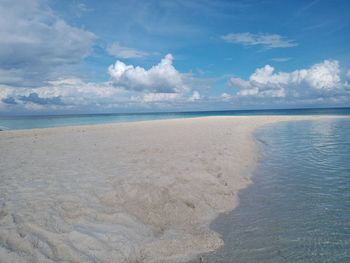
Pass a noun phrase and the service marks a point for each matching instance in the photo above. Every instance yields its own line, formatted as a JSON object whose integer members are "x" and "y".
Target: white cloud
{"x": 195, "y": 96}
{"x": 64, "y": 94}
{"x": 161, "y": 78}
{"x": 156, "y": 97}
{"x": 130, "y": 86}
{"x": 320, "y": 79}
{"x": 75, "y": 94}
{"x": 226, "y": 97}
{"x": 265, "y": 40}
{"x": 5, "y": 94}
{"x": 348, "y": 74}
{"x": 325, "y": 75}
{"x": 125, "y": 52}
{"x": 35, "y": 44}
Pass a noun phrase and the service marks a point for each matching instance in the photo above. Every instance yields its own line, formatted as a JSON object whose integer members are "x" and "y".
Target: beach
{"x": 126, "y": 192}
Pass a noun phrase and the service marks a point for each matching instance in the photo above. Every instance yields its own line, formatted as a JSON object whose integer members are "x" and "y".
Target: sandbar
{"x": 124, "y": 192}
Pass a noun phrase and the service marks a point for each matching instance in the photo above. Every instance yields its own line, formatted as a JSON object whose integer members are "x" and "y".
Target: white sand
{"x": 134, "y": 192}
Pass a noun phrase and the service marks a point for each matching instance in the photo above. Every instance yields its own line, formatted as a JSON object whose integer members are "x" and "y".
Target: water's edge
{"x": 218, "y": 224}
{"x": 260, "y": 148}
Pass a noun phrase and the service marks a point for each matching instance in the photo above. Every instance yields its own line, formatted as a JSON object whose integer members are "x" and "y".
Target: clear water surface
{"x": 298, "y": 207}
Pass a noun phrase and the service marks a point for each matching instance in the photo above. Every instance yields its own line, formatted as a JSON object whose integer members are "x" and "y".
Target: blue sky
{"x": 75, "y": 56}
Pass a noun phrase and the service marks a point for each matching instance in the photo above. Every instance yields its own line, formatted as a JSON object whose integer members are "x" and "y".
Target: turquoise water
{"x": 29, "y": 122}
{"x": 298, "y": 207}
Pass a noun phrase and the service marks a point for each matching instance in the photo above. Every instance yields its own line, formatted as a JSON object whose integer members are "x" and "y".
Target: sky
{"x": 87, "y": 56}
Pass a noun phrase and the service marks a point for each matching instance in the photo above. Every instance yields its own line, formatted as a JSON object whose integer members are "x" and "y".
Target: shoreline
{"x": 274, "y": 205}
{"x": 127, "y": 192}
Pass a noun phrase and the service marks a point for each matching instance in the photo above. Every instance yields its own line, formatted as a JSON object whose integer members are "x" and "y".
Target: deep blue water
{"x": 298, "y": 207}
{"x": 29, "y": 122}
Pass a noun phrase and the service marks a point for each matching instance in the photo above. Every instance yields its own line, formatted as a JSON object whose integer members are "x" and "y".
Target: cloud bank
{"x": 163, "y": 87}
{"x": 61, "y": 94}
{"x": 129, "y": 86}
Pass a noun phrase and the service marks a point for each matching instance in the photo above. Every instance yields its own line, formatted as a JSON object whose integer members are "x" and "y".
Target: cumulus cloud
{"x": 125, "y": 52}
{"x": 129, "y": 86}
{"x": 265, "y": 40}
{"x": 195, "y": 96}
{"x": 35, "y": 44}
{"x": 325, "y": 75}
{"x": 161, "y": 78}
{"x": 319, "y": 80}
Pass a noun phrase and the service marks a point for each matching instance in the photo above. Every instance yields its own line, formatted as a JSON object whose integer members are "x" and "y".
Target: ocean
{"x": 298, "y": 207}
{"x": 30, "y": 122}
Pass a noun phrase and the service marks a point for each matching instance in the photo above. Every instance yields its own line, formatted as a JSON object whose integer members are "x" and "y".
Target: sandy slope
{"x": 135, "y": 192}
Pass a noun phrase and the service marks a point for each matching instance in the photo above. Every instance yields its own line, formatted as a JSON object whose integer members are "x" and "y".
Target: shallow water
{"x": 298, "y": 207}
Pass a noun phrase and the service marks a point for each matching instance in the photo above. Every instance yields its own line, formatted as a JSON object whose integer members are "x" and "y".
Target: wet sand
{"x": 127, "y": 192}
